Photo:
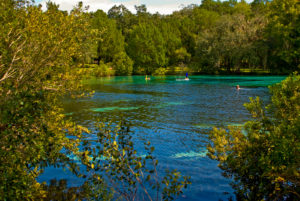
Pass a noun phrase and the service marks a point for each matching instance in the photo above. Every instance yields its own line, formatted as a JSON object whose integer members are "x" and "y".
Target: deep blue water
{"x": 175, "y": 116}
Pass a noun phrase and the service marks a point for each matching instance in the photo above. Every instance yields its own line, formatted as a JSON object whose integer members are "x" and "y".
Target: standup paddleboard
{"x": 186, "y": 79}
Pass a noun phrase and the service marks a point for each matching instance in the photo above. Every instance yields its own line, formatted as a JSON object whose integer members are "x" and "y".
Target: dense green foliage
{"x": 36, "y": 64}
{"x": 263, "y": 158}
{"x": 111, "y": 46}
{"x": 213, "y": 37}
{"x": 146, "y": 47}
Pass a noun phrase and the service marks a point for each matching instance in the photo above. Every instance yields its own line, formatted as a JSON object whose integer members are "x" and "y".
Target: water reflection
{"x": 59, "y": 190}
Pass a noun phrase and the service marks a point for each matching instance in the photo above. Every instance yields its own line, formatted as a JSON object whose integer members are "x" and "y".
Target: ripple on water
{"x": 176, "y": 118}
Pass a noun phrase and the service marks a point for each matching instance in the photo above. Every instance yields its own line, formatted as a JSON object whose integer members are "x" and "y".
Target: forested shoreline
{"x": 213, "y": 37}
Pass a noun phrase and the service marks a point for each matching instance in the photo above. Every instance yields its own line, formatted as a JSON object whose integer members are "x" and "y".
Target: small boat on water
{"x": 182, "y": 79}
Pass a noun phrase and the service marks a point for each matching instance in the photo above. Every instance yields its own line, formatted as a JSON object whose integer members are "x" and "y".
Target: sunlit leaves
{"x": 114, "y": 158}
{"x": 283, "y": 35}
{"x": 263, "y": 158}
{"x": 36, "y": 68}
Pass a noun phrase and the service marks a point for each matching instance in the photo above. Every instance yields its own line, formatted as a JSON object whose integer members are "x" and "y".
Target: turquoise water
{"x": 176, "y": 116}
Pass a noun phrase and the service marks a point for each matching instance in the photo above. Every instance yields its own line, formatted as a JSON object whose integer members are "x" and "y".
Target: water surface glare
{"x": 176, "y": 116}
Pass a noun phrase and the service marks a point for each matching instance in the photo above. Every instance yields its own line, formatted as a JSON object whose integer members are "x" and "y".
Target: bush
{"x": 160, "y": 71}
{"x": 122, "y": 64}
{"x": 264, "y": 158}
{"x": 101, "y": 70}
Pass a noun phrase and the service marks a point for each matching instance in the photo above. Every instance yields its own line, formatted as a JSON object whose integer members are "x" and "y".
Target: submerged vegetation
{"x": 45, "y": 54}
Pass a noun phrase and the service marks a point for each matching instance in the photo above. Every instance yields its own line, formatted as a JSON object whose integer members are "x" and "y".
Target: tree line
{"x": 210, "y": 38}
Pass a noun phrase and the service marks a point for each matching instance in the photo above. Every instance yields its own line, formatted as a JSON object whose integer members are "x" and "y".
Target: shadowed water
{"x": 176, "y": 116}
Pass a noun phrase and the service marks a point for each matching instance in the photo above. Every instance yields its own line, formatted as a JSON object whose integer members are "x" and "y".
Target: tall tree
{"x": 283, "y": 35}
{"x": 148, "y": 40}
{"x": 232, "y": 43}
{"x": 111, "y": 46}
{"x": 124, "y": 18}
{"x": 172, "y": 41}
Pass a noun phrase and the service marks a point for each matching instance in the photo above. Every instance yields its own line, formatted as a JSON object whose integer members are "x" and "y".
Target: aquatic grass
{"x": 204, "y": 126}
{"x": 191, "y": 154}
{"x": 107, "y": 109}
{"x": 162, "y": 105}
